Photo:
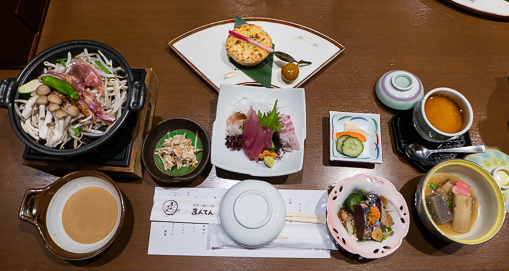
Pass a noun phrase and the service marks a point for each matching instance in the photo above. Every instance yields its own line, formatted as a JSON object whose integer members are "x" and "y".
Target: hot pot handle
{"x": 6, "y": 87}
{"x": 28, "y": 209}
{"x": 138, "y": 94}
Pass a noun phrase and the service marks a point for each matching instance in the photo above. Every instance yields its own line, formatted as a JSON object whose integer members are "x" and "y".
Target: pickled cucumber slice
{"x": 352, "y": 147}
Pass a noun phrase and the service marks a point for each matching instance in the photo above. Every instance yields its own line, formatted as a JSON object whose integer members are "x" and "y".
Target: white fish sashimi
{"x": 288, "y": 136}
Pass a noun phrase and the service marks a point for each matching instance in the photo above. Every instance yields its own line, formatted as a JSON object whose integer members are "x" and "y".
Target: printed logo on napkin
{"x": 185, "y": 209}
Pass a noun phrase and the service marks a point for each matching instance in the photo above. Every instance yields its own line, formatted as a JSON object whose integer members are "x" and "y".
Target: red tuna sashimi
{"x": 461, "y": 188}
{"x": 87, "y": 74}
{"x": 288, "y": 133}
{"x": 256, "y": 139}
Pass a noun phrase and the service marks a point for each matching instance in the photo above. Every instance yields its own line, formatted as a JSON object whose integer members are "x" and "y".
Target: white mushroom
{"x": 29, "y": 106}
{"x": 49, "y": 135}
{"x": 44, "y": 127}
{"x": 42, "y": 101}
{"x": 53, "y": 98}
{"x": 43, "y": 90}
{"x": 58, "y": 131}
{"x": 72, "y": 110}
{"x": 52, "y": 107}
{"x": 32, "y": 131}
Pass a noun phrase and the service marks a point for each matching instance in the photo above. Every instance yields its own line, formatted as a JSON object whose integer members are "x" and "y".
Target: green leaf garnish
{"x": 261, "y": 73}
{"x": 271, "y": 119}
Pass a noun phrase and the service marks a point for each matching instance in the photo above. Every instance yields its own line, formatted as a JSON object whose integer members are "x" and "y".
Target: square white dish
{"x": 370, "y": 123}
{"x": 290, "y": 102}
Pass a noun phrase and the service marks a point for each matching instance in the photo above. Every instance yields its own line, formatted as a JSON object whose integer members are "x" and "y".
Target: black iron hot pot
{"x": 9, "y": 92}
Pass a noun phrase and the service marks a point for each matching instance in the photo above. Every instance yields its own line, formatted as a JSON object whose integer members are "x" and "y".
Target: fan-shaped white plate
{"x": 203, "y": 50}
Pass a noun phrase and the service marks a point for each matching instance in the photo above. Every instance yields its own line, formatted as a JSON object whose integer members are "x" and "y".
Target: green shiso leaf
{"x": 261, "y": 73}
{"x": 271, "y": 119}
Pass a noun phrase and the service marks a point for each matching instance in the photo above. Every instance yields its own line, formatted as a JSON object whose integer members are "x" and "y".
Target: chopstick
{"x": 306, "y": 218}
{"x": 251, "y": 41}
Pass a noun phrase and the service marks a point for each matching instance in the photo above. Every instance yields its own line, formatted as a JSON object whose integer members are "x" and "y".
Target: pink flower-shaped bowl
{"x": 368, "y": 249}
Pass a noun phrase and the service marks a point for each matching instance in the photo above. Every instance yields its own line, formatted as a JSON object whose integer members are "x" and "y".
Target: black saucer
{"x": 404, "y": 134}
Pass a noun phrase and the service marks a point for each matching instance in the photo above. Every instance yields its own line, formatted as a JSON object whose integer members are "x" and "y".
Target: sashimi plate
{"x": 369, "y": 123}
{"x": 290, "y": 102}
{"x": 203, "y": 50}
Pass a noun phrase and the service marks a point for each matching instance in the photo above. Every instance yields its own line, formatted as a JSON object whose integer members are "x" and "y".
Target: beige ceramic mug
{"x": 426, "y": 123}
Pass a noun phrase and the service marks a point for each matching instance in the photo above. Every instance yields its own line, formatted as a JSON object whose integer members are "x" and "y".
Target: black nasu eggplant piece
{"x": 361, "y": 221}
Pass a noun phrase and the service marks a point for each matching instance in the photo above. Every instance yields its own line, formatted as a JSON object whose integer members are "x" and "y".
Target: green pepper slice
{"x": 61, "y": 86}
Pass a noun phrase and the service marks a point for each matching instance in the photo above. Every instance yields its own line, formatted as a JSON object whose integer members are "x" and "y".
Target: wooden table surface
{"x": 441, "y": 44}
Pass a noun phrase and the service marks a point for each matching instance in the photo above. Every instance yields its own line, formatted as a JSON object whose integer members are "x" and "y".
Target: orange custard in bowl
{"x": 444, "y": 113}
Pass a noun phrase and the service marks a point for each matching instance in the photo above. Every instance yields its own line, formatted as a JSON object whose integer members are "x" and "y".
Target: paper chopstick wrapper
{"x": 185, "y": 209}
{"x": 301, "y": 236}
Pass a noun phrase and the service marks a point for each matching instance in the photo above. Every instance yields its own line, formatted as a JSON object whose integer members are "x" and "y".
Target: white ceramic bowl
{"x": 501, "y": 175}
{"x": 378, "y": 185}
{"x": 400, "y": 90}
{"x": 252, "y": 213}
{"x": 489, "y": 196}
{"x": 427, "y": 131}
{"x": 56, "y": 206}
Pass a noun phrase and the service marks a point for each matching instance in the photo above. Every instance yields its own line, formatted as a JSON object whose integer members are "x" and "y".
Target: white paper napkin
{"x": 200, "y": 205}
{"x": 185, "y": 209}
{"x": 301, "y": 236}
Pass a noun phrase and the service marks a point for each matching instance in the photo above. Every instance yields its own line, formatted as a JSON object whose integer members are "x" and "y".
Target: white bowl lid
{"x": 252, "y": 213}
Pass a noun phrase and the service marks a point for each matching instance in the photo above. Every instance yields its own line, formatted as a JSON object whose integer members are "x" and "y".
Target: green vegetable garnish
{"x": 432, "y": 185}
{"x": 271, "y": 119}
{"x": 78, "y": 130}
{"x": 61, "y": 86}
{"x": 62, "y": 61}
{"x": 102, "y": 67}
{"x": 261, "y": 73}
{"x": 272, "y": 147}
{"x": 351, "y": 200}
